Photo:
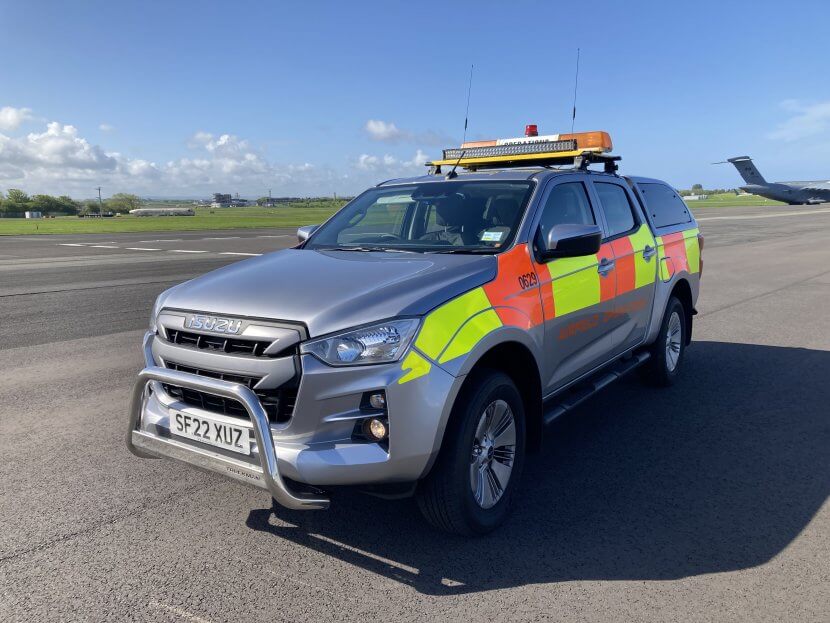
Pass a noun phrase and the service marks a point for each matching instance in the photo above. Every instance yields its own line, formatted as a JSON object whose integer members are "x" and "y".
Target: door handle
{"x": 605, "y": 267}
{"x": 649, "y": 252}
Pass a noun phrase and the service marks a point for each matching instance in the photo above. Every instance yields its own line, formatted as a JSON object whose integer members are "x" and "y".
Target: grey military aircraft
{"x": 794, "y": 193}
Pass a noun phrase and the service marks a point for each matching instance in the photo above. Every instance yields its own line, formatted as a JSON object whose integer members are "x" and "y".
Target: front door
{"x": 577, "y": 292}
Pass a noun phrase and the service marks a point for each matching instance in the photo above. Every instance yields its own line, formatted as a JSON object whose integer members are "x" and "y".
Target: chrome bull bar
{"x": 145, "y": 445}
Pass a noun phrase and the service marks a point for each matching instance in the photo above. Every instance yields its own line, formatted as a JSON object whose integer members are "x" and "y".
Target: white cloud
{"x": 419, "y": 159}
{"x": 58, "y": 148}
{"x": 383, "y": 131}
{"x": 106, "y": 127}
{"x": 807, "y": 120}
{"x": 229, "y": 158}
{"x": 388, "y": 132}
{"x": 11, "y": 118}
{"x": 390, "y": 165}
{"x": 59, "y": 160}
{"x": 367, "y": 162}
{"x": 306, "y": 166}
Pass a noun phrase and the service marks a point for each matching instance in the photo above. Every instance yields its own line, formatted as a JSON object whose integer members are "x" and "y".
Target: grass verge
{"x": 291, "y": 215}
{"x": 729, "y": 200}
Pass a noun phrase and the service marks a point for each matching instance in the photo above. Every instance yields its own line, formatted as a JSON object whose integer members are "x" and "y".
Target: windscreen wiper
{"x": 365, "y": 249}
{"x": 475, "y": 251}
{"x": 340, "y": 249}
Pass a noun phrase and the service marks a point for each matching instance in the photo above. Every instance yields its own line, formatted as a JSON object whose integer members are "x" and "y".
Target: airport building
{"x": 221, "y": 200}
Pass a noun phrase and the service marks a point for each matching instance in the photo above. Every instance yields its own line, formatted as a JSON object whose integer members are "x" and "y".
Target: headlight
{"x": 379, "y": 343}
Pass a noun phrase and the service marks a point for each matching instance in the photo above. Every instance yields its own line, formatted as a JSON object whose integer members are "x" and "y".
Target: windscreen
{"x": 451, "y": 217}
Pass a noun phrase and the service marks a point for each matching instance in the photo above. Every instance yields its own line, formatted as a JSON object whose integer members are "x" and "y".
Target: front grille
{"x": 229, "y": 345}
{"x": 278, "y": 403}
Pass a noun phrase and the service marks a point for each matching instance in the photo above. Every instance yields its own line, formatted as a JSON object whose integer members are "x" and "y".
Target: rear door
{"x": 577, "y": 292}
{"x": 635, "y": 262}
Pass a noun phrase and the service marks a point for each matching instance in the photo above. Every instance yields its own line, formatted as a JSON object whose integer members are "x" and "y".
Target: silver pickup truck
{"x": 418, "y": 342}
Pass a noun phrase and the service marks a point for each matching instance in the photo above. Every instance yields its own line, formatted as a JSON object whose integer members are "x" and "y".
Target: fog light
{"x": 377, "y": 401}
{"x": 375, "y": 429}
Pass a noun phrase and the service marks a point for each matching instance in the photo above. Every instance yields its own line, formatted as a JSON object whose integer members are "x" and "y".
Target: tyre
{"x": 470, "y": 488}
{"x": 667, "y": 352}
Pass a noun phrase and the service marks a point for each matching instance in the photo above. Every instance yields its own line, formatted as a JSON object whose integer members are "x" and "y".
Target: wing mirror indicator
{"x": 570, "y": 240}
{"x": 305, "y": 231}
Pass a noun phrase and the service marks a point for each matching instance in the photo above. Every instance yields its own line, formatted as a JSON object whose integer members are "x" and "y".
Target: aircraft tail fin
{"x": 747, "y": 170}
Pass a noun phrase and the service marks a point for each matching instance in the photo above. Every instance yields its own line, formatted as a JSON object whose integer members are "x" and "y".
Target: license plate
{"x": 220, "y": 434}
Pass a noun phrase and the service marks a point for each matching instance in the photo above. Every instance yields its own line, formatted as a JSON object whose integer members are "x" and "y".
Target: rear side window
{"x": 567, "y": 204}
{"x": 664, "y": 205}
{"x": 616, "y": 206}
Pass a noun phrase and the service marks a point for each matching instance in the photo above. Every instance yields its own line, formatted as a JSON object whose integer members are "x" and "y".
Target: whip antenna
{"x": 467, "y": 112}
{"x": 576, "y": 84}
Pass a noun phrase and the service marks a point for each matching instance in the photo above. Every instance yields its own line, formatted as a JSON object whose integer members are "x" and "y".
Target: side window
{"x": 567, "y": 204}
{"x": 664, "y": 205}
{"x": 616, "y": 206}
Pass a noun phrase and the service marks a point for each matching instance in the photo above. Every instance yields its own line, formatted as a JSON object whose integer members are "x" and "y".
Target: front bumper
{"x": 266, "y": 476}
{"x": 315, "y": 447}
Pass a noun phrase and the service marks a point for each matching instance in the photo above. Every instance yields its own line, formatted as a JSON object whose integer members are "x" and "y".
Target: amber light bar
{"x": 536, "y": 147}
{"x": 529, "y": 147}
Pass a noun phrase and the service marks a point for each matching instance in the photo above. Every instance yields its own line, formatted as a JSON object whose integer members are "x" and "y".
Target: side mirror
{"x": 571, "y": 241}
{"x": 305, "y": 231}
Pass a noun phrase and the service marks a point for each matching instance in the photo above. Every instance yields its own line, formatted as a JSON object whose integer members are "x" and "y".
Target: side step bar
{"x": 575, "y": 396}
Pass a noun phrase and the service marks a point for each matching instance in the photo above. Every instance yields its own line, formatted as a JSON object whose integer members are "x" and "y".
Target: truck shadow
{"x": 718, "y": 473}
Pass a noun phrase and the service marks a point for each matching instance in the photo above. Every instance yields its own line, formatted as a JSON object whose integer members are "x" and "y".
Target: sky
{"x": 184, "y": 99}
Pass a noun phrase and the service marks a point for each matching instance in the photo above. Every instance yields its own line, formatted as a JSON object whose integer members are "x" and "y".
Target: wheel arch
{"x": 682, "y": 286}
{"x": 517, "y": 361}
{"x": 682, "y": 291}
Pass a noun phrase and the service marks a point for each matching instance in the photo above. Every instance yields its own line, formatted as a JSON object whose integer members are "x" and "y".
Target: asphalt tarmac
{"x": 703, "y": 502}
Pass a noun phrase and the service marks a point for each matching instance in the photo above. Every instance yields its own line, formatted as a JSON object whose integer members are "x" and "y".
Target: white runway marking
{"x": 84, "y": 244}
{"x": 277, "y": 236}
{"x": 163, "y": 240}
{"x": 179, "y": 612}
{"x": 108, "y": 246}
{"x": 754, "y": 216}
{"x": 221, "y": 238}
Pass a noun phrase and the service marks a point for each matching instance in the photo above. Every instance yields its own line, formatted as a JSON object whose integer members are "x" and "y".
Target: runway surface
{"x": 706, "y": 501}
{"x": 63, "y": 287}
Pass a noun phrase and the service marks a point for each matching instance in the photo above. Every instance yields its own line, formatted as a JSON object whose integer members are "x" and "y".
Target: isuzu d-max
{"x": 418, "y": 341}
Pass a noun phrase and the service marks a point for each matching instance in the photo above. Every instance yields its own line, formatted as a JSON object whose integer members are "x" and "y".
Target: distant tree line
{"x": 16, "y": 202}
{"x": 697, "y": 189}
{"x": 264, "y": 201}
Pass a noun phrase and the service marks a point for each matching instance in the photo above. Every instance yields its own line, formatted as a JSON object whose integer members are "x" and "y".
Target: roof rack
{"x": 610, "y": 162}
{"x": 578, "y": 149}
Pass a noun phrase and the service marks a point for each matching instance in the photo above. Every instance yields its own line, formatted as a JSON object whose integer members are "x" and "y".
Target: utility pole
{"x": 100, "y": 203}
